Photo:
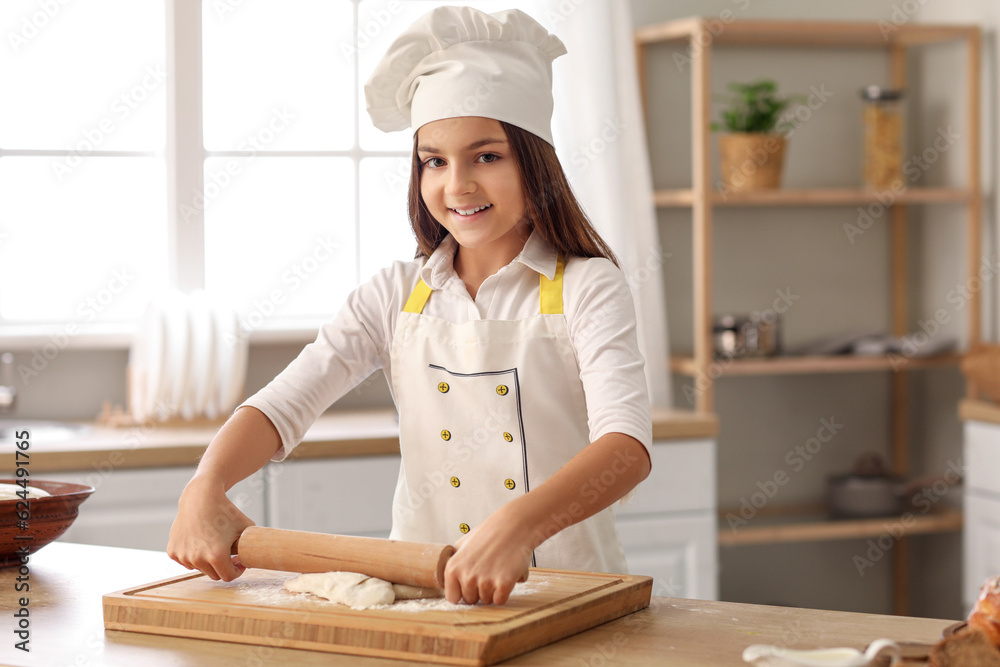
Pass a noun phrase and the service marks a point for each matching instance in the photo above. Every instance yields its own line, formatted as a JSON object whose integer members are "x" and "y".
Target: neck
{"x": 475, "y": 265}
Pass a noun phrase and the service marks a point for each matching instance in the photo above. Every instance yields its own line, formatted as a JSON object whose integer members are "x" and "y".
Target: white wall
{"x": 840, "y": 287}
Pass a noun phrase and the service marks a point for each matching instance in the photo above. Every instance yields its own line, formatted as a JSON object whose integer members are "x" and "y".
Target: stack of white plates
{"x": 188, "y": 359}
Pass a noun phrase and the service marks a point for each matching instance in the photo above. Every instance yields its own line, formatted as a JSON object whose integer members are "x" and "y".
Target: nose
{"x": 460, "y": 181}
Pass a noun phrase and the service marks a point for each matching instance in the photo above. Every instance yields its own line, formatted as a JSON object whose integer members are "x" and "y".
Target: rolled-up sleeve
{"x": 601, "y": 319}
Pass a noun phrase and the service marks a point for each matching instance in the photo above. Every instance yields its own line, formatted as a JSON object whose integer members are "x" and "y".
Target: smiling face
{"x": 471, "y": 184}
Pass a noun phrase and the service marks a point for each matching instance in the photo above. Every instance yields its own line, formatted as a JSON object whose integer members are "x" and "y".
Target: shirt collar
{"x": 439, "y": 268}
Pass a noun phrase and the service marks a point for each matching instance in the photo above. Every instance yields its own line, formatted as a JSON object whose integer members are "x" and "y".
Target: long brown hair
{"x": 552, "y": 209}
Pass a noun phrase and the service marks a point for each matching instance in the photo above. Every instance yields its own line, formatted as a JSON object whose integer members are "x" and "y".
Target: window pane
{"x": 91, "y": 248}
{"x": 82, "y": 75}
{"x": 385, "y": 228}
{"x": 279, "y": 235}
{"x": 278, "y": 58}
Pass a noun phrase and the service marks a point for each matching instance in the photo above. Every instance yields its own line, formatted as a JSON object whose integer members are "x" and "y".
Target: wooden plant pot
{"x": 751, "y": 161}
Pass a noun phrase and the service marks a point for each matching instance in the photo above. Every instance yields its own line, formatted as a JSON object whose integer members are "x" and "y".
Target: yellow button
{"x": 443, "y": 387}
{"x": 508, "y": 437}
{"x": 446, "y": 434}
{"x": 455, "y": 482}
{"x": 502, "y": 389}
{"x": 464, "y": 527}
{"x": 509, "y": 483}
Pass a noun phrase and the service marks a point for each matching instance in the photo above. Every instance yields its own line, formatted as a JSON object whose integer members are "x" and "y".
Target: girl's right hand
{"x": 206, "y": 526}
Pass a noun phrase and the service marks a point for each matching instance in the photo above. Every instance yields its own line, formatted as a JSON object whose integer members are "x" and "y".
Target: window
{"x": 82, "y": 213}
{"x": 284, "y": 197}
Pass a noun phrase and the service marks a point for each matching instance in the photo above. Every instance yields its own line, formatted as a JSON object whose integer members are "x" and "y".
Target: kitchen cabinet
{"x": 344, "y": 496}
{"x": 667, "y": 527}
{"x": 699, "y": 38}
{"x": 981, "y": 536}
{"x": 135, "y": 508}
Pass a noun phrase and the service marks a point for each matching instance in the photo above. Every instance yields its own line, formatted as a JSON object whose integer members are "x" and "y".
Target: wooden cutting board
{"x": 255, "y": 609}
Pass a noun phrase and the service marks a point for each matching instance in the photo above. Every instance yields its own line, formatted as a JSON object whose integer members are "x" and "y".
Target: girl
{"x": 509, "y": 343}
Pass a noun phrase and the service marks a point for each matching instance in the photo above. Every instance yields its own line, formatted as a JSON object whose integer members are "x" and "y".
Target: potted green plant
{"x": 753, "y": 151}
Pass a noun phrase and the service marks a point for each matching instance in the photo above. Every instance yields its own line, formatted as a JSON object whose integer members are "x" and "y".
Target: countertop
{"x": 67, "y": 582}
{"x": 347, "y": 433}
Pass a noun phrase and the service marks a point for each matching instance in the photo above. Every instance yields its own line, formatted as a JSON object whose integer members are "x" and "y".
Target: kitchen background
{"x": 759, "y": 252}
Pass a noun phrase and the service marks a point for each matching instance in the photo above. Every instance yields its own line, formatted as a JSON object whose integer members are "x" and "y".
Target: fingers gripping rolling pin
{"x": 412, "y": 563}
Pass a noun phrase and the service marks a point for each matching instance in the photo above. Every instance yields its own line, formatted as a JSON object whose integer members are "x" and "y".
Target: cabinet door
{"x": 981, "y": 542}
{"x": 682, "y": 478}
{"x": 347, "y": 496}
{"x": 679, "y": 552}
{"x": 982, "y": 456}
{"x": 135, "y": 508}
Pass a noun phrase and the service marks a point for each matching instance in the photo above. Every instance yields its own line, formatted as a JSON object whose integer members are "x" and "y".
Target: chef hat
{"x": 460, "y": 61}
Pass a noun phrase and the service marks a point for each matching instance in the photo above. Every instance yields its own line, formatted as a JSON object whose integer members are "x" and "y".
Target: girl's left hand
{"x": 488, "y": 562}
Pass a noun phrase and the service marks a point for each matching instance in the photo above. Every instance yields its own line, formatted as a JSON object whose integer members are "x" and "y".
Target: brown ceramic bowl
{"x": 49, "y": 518}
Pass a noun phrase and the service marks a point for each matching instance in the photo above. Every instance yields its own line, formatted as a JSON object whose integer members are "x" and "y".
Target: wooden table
{"x": 66, "y": 625}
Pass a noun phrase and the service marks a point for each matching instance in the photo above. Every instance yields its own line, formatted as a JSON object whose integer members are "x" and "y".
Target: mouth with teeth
{"x": 471, "y": 211}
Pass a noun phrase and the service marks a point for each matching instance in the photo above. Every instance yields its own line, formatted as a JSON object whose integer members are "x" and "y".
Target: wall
{"x": 836, "y": 286}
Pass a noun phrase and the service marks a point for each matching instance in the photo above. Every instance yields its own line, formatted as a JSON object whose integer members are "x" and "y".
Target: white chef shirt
{"x": 597, "y": 305}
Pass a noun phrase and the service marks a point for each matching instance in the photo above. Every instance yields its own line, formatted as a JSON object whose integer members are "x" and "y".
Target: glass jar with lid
{"x": 883, "y": 127}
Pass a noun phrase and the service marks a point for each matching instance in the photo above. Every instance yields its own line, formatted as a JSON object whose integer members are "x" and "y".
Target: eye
{"x": 433, "y": 162}
{"x": 489, "y": 158}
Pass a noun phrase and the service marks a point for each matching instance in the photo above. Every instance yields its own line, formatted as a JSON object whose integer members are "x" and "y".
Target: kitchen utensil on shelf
{"x": 746, "y": 335}
{"x": 883, "y": 123}
{"x": 870, "y": 490}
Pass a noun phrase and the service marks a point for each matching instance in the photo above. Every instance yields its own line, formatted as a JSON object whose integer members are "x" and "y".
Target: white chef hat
{"x": 460, "y": 61}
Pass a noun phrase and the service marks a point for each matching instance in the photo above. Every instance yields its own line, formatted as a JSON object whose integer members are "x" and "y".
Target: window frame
{"x": 185, "y": 154}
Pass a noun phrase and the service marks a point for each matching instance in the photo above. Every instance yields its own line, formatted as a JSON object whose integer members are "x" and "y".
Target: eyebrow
{"x": 471, "y": 147}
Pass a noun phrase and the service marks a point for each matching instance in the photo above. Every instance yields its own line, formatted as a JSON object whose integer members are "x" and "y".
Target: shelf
{"x": 798, "y": 528}
{"x": 807, "y": 365}
{"x": 685, "y": 197}
{"x": 801, "y": 33}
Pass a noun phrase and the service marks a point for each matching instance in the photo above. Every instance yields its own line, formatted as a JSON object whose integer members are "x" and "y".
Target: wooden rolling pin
{"x": 413, "y": 563}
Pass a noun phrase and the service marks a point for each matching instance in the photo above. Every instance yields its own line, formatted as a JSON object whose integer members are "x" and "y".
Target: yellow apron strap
{"x": 551, "y": 290}
{"x": 418, "y": 298}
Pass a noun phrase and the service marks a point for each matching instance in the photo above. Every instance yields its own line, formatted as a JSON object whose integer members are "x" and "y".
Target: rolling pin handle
{"x": 235, "y": 549}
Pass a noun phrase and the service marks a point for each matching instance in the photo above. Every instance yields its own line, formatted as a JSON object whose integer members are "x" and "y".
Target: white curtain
{"x": 601, "y": 142}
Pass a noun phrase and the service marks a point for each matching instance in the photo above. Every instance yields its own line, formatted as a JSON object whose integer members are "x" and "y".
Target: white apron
{"x": 490, "y": 409}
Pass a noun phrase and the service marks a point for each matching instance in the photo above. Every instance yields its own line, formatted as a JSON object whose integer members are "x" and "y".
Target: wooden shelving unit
{"x": 803, "y": 365}
{"x": 702, "y": 37}
{"x": 814, "y": 526}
